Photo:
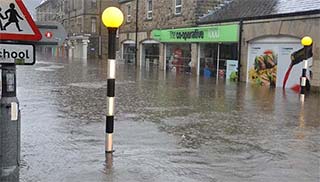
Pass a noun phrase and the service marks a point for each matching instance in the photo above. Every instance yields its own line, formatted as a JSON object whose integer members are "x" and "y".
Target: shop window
{"x": 149, "y": 9}
{"x": 178, "y": 57}
{"x": 178, "y": 7}
{"x": 210, "y": 64}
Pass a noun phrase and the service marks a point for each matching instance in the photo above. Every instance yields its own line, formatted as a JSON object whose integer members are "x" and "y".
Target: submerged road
{"x": 167, "y": 127}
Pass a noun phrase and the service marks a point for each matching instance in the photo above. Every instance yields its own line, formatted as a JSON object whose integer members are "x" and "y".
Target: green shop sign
{"x": 222, "y": 33}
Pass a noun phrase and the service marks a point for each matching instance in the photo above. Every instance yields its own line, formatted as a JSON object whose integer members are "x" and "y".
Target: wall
{"x": 296, "y": 27}
{"x": 163, "y": 17}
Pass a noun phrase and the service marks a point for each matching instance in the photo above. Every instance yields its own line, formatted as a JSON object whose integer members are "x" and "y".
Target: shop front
{"x": 270, "y": 62}
{"x": 268, "y": 46}
{"x": 201, "y": 50}
{"x": 150, "y": 54}
{"x": 128, "y": 51}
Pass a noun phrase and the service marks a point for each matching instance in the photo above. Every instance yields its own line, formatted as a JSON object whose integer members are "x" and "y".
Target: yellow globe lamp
{"x": 112, "y": 17}
{"x": 306, "y": 41}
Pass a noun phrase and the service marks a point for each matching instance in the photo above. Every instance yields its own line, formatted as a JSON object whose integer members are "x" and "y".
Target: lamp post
{"x": 112, "y": 18}
{"x": 307, "y": 43}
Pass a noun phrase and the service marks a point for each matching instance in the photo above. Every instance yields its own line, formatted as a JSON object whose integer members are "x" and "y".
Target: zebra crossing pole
{"x": 112, "y": 18}
{"x": 307, "y": 43}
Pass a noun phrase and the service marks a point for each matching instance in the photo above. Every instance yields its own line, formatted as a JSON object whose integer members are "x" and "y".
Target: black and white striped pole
{"x": 112, "y": 18}
{"x": 307, "y": 43}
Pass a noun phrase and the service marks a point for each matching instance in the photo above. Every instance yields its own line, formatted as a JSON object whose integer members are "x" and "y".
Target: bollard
{"x": 111, "y": 89}
{"x": 112, "y": 18}
{"x": 307, "y": 43}
{"x": 9, "y": 126}
{"x": 303, "y": 81}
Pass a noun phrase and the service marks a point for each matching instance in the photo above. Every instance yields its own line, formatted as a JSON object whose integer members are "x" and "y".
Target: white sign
{"x": 268, "y": 64}
{"x": 232, "y": 70}
{"x": 17, "y": 53}
{"x": 16, "y": 23}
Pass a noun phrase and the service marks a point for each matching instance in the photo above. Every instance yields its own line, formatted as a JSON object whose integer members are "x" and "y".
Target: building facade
{"x": 270, "y": 34}
{"x": 87, "y": 37}
{"x": 137, "y": 39}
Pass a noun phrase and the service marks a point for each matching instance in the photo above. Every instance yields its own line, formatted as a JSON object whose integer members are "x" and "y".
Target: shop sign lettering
{"x": 195, "y": 34}
{"x": 214, "y": 33}
{"x": 219, "y": 33}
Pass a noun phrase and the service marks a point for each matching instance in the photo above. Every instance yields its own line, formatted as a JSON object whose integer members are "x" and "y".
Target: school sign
{"x": 220, "y": 33}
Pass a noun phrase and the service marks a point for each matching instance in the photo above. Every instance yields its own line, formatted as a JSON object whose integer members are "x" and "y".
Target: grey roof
{"x": 238, "y": 9}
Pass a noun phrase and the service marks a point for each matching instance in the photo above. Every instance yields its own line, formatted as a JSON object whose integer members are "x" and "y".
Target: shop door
{"x": 150, "y": 55}
{"x": 129, "y": 53}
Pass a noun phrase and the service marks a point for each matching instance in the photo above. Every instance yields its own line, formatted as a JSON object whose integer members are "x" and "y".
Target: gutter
{"x": 240, "y": 47}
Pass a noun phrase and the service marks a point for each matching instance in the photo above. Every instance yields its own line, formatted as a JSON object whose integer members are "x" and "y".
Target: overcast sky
{"x": 31, "y": 5}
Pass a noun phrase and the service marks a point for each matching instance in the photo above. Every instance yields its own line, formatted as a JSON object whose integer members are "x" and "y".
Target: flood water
{"x": 168, "y": 127}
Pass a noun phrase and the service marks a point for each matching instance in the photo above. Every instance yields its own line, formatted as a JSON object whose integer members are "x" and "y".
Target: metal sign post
{"x": 307, "y": 43}
{"x": 9, "y": 125}
{"x": 16, "y": 25}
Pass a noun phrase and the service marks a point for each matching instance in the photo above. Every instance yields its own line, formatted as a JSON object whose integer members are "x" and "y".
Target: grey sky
{"x": 31, "y": 5}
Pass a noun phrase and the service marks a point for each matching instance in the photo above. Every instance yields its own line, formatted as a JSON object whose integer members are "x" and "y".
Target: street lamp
{"x": 307, "y": 43}
{"x": 112, "y": 18}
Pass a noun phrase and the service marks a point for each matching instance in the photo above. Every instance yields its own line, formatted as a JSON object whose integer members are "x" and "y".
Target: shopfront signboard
{"x": 219, "y": 33}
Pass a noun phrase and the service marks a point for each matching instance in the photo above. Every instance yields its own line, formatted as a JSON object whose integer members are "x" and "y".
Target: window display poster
{"x": 232, "y": 70}
{"x": 268, "y": 64}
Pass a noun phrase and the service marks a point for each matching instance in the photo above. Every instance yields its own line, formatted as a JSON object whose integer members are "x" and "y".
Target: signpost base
{"x": 9, "y": 126}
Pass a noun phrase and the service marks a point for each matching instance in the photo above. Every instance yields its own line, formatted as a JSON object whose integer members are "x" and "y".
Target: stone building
{"x": 136, "y": 32}
{"x": 270, "y": 33}
{"x": 87, "y": 37}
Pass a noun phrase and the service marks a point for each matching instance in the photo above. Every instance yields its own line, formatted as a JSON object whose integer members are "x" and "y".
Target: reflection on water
{"x": 168, "y": 127}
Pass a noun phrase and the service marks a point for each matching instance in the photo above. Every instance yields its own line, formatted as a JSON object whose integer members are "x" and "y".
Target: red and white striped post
{"x": 307, "y": 43}
{"x": 112, "y": 18}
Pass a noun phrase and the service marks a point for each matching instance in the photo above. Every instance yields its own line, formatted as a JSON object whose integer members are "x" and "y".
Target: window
{"x": 178, "y": 7}
{"x": 79, "y": 24}
{"x": 93, "y": 3}
{"x": 128, "y": 12}
{"x": 94, "y": 25}
{"x": 149, "y": 9}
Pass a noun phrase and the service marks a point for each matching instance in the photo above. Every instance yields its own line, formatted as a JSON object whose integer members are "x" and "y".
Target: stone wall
{"x": 164, "y": 14}
{"x": 295, "y": 27}
{"x": 164, "y": 17}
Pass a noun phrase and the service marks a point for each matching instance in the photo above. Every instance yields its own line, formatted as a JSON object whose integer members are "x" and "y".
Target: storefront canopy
{"x": 219, "y": 33}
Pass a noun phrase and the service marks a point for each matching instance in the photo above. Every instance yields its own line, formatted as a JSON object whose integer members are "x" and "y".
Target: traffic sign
{"x": 48, "y": 34}
{"x": 301, "y": 54}
{"x": 16, "y": 23}
{"x": 22, "y": 54}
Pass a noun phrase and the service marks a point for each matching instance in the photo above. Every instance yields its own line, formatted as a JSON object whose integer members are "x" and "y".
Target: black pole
{"x": 100, "y": 27}
{"x": 9, "y": 126}
{"x": 111, "y": 88}
{"x": 112, "y": 32}
{"x": 137, "y": 29}
{"x": 240, "y": 47}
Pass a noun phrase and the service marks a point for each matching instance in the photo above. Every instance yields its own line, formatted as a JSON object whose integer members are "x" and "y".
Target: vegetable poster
{"x": 268, "y": 64}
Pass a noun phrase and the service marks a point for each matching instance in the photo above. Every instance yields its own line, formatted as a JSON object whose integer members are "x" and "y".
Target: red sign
{"x": 16, "y": 23}
{"x": 48, "y": 34}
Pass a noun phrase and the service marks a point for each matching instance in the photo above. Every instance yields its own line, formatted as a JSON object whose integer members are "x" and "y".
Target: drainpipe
{"x": 239, "y": 47}
{"x": 100, "y": 26}
{"x": 136, "y": 48}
